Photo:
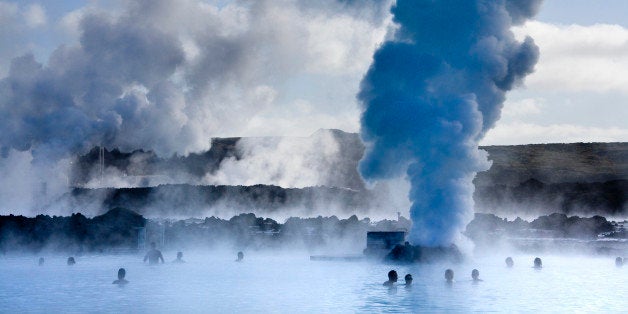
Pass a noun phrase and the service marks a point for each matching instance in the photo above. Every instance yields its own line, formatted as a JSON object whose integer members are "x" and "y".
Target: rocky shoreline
{"x": 123, "y": 229}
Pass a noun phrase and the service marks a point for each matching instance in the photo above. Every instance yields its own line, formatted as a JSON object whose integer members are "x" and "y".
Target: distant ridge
{"x": 512, "y": 164}
{"x": 572, "y": 178}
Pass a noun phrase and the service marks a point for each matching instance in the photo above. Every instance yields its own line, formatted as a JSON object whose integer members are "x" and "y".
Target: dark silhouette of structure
{"x": 379, "y": 243}
{"x": 408, "y": 253}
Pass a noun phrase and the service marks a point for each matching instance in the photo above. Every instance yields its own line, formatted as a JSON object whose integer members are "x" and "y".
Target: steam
{"x": 285, "y": 162}
{"x": 167, "y": 76}
{"x": 432, "y": 92}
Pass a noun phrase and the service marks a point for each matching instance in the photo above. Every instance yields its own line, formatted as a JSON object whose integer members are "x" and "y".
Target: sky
{"x": 285, "y": 67}
{"x": 579, "y": 91}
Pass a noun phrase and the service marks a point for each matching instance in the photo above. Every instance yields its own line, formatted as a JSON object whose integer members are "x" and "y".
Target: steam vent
{"x": 407, "y": 253}
{"x": 391, "y": 246}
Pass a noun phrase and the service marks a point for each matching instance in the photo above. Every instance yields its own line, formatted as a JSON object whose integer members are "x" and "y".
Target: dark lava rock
{"x": 573, "y": 227}
{"x": 117, "y": 228}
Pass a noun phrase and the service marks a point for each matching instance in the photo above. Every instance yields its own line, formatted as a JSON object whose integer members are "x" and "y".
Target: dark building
{"x": 379, "y": 243}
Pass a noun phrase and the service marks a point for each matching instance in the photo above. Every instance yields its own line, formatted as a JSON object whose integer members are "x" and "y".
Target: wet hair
{"x": 538, "y": 263}
{"x": 619, "y": 262}
{"x": 509, "y": 261}
{"x": 449, "y": 275}
{"x": 121, "y": 273}
{"x": 408, "y": 278}
{"x": 475, "y": 274}
{"x": 392, "y": 276}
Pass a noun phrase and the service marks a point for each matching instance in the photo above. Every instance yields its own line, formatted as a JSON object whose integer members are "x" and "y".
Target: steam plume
{"x": 168, "y": 75}
{"x": 433, "y": 90}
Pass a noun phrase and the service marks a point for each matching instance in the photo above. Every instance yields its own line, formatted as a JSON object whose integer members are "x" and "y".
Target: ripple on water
{"x": 293, "y": 284}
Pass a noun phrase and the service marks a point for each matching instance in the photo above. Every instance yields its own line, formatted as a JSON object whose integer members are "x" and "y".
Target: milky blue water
{"x": 291, "y": 283}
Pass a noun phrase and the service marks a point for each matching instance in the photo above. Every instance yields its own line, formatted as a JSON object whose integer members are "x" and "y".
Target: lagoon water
{"x": 291, "y": 283}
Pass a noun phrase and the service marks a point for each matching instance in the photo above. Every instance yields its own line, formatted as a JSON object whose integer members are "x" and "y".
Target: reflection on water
{"x": 293, "y": 284}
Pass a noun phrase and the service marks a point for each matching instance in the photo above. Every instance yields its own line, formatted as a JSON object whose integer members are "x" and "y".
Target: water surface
{"x": 291, "y": 283}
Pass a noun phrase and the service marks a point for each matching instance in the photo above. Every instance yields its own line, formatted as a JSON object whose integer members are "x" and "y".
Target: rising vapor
{"x": 432, "y": 92}
{"x": 167, "y": 76}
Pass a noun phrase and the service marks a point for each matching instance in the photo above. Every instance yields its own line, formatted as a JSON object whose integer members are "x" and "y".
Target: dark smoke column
{"x": 432, "y": 92}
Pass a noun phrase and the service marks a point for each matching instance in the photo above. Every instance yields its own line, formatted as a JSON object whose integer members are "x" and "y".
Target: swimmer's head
{"x": 392, "y": 276}
{"x": 475, "y": 274}
{"x": 71, "y": 260}
{"x": 509, "y": 261}
{"x": 408, "y": 279}
{"x": 449, "y": 275}
{"x": 41, "y": 261}
{"x": 179, "y": 255}
{"x": 121, "y": 273}
{"x": 240, "y": 255}
{"x": 619, "y": 262}
{"x": 153, "y": 245}
{"x": 538, "y": 263}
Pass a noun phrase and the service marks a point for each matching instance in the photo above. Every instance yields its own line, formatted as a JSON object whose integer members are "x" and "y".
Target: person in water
{"x": 179, "y": 258}
{"x": 475, "y": 274}
{"x": 392, "y": 278}
{"x": 71, "y": 261}
{"x": 538, "y": 264}
{"x": 41, "y": 261}
{"x": 449, "y": 275}
{"x": 121, "y": 275}
{"x": 619, "y": 262}
{"x": 240, "y": 256}
{"x": 154, "y": 255}
{"x": 408, "y": 279}
{"x": 509, "y": 262}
